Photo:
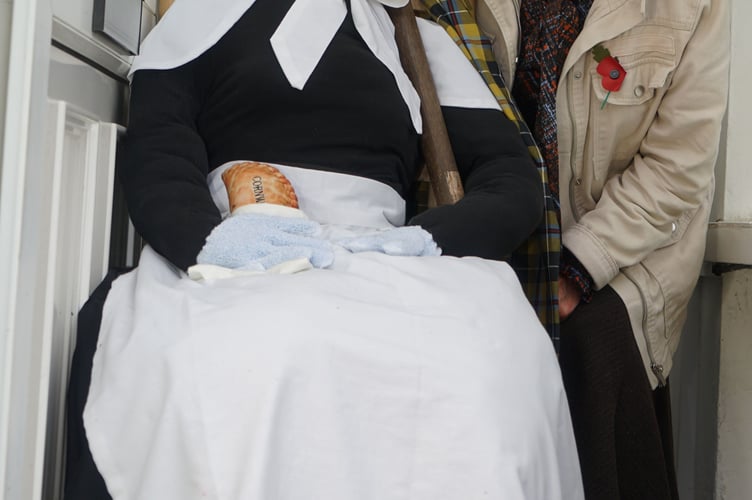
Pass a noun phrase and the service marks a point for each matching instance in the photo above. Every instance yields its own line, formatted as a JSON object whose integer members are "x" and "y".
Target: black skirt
{"x": 622, "y": 427}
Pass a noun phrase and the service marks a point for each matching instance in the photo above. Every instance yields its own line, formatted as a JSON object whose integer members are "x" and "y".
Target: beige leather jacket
{"x": 636, "y": 177}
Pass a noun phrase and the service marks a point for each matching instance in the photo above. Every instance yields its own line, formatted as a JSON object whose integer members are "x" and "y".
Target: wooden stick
{"x": 440, "y": 162}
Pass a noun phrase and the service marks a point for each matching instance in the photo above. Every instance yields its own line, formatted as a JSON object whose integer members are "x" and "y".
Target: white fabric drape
{"x": 383, "y": 378}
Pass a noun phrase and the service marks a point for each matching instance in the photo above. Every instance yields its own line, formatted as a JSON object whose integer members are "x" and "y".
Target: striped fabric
{"x": 537, "y": 260}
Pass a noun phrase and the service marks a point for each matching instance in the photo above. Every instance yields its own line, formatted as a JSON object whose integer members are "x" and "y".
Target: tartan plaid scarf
{"x": 537, "y": 260}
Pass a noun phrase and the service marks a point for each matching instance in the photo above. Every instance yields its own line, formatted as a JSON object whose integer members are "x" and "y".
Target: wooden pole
{"x": 440, "y": 162}
{"x": 163, "y": 5}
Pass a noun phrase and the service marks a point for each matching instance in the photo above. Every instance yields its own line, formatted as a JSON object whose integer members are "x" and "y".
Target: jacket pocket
{"x": 642, "y": 80}
{"x": 654, "y": 327}
{"x": 622, "y": 118}
{"x": 666, "y": 280}
{"x": 679, "y": 227}
{"x": 648, "y": 61}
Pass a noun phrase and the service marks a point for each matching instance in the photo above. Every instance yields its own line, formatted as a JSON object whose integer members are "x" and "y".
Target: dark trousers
{"x": 622, "y": 427}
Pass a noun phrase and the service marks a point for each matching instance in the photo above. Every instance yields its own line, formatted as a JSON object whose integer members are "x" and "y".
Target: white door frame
{"x": 23, "y": 354}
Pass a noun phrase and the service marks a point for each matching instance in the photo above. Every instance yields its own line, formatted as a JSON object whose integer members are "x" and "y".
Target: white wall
{"x": 734, "y": 457}
{"x": 5, "y": 15}
{"x": 734, "y": 472}
{"x": 694, "y": 392}
{"x": 737, "y": 201}
{"x": 22, "y": 355}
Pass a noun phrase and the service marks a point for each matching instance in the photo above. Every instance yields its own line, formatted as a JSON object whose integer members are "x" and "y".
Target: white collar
{"x": 191, "y": 27}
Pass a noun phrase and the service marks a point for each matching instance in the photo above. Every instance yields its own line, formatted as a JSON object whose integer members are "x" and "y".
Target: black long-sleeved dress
{"x": 234, "y": 103}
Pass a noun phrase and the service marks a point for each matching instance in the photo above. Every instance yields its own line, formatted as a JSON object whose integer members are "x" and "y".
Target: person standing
{"x": 625, "y": 100}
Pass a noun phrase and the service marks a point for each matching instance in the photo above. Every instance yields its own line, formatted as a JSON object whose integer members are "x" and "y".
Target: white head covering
{"x": 190, "y": 27}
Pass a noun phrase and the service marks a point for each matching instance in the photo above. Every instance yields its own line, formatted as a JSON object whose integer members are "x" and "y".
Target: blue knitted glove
{"x": 404, "y": 241}
{"x": 259, "y": 242}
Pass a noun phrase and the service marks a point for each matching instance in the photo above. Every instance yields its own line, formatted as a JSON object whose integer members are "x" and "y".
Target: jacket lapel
{"x": 500, "y": 19}
{"x": 607, "y": 19}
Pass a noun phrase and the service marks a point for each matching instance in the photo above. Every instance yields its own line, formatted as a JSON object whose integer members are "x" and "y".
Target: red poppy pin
{"x": 612, "y": 73}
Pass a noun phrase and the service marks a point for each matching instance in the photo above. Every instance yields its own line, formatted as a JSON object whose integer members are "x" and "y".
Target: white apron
{"x": 384, "y": 378}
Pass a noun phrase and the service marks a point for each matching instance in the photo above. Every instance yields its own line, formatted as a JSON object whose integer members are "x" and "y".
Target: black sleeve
{"x": 503, "y": 200}
{"x": 162, "y": 164}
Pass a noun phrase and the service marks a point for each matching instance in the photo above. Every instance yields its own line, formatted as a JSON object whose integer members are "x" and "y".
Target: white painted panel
{"x": 5, "y": 16}
{"x": 737, "y": 205}
{"x": 151, "y": 5}
{"x": 103, "y": 188}
{"x": 23, "y": 378}
{"x": 54, "y": 145}
{"x": 148, "y": 20}
{"x": 119, "y": 20}
{"x": 728, "y": 242}
{"x": 66, "y": 290}
{"x": 694, "y": 393}
{"x": 78, "y": 15}
{"x": 83, "y": 157}
{"x": 734, "y": 473}
{"x": 34, "y": 289}
{"x": 75, "y": 82}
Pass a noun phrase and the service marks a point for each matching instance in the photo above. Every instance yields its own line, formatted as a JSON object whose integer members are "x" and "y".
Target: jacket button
{"x": 578, "y": 75}
{"x": 578, "y": 181}
{"x": 639, "y": 91}
{"x": 673, "y": 227}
